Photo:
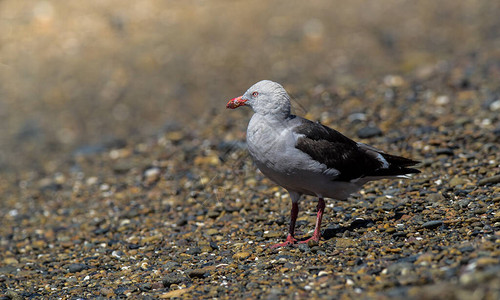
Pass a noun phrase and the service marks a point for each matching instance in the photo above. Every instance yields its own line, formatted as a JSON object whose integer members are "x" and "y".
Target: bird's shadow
{"x": 335, "y": 230}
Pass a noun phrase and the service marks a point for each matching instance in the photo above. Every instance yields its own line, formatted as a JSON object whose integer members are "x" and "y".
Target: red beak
{"x": 236, "y": 102}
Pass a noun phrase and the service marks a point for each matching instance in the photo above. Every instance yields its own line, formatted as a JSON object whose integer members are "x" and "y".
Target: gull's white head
{"x": 264, "y": 97}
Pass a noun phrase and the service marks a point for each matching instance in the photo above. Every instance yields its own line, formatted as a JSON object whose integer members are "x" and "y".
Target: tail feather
{"x": 399, "y": 161}
{"x": 397, "y": 166}
{"x": 392, "y": 165}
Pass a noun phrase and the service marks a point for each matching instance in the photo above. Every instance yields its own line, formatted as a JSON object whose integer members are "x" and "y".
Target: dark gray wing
{"x": 353, "y": 160}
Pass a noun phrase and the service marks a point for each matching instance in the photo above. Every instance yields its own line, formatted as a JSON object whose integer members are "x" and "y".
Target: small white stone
{"x": 495, "y": 105}
{"x": 91, "y": 180}
{"x": 486, "y": 122}
{"x": 152, "y": 173}
{"x": 442, "y": 100}
{"x": 393, "y": 80}
{"x": 114, "y": 154}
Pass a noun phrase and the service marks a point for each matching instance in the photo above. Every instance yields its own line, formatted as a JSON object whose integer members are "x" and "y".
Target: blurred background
{"x": 80, "y": 76}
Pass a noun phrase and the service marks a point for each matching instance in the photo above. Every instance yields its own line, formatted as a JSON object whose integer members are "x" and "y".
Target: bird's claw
{"x": 290, "y": 240}
{"x": 311, "y": 242}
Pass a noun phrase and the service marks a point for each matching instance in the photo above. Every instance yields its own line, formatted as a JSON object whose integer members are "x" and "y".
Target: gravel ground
{"x": 183, "y": 212}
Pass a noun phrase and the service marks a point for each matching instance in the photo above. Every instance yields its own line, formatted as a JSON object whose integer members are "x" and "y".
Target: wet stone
{"x": 213, "y": 214}
{"x": 444, "y": 151}
{"x": 435, "y": 197}
{"x": 213, "y": 245}
{"x": 13, "y": 295}
{"x": 401, "y": 268}
{"x": 369, "y": 132}
{"x": 432, "y": 224}
{"x": 194, "y": 251}
{"x": 73, "y": 268}
{"x": 312, "y": 244}
{"x": 122, "y": 167}
{"x": 170, "y": 279}
{"x": 489, "y": 180}
{"x": 100, "y": 231}
{"x": 133, "y": 246}
{"x": 182, "y": 221}
{"x": 304, "y": 247}
{"x": 457, "y": 181}
{"x": 400, "y": 234}
{"x": 108, "y": 292}
{"x": 464, "y": 203}
{"x": 199, "y": 273}
{"x": 252, "y": 285}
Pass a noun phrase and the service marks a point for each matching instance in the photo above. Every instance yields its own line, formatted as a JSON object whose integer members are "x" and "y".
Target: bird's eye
{"x": 255, "y": 94}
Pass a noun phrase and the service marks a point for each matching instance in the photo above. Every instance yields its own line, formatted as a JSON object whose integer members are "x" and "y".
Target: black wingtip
{"x": 411, "y": 171}
{"x": 394, "y": 171}
{"x": 399, "y": 161}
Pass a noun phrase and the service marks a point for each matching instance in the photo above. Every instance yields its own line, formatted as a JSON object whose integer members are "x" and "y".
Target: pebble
{"x": 312, "y": 244}
{"x": 73, "y": 268}
{"x": 175, "y": 293}
{"x": 194, "y": 251}
{"x": 105, "y": 291}
{"x": 199, "y": 273}
{"x": 304, "y": 247}
{"x": 118, "y": 254}
{"x": 369, "y": 132}
{"x": 457, "y": 181}
{"x": 344, "y": 242}
{"x": 10, "y": 261}
{"x": 436, "y": 197}
{"x": 241, "y": 255}
{"x": 489, "y": 180}
{"x": 13, "y": 295}
{"x": 123, "y": 167}
{"x": 432, "y": 224}
{"x": 445, "y": 151}
{"x": 151, "y": 175}
{"x": 170, "y": 279}
{"x": 212, "y": 231}
{"x": 273, "y": 234}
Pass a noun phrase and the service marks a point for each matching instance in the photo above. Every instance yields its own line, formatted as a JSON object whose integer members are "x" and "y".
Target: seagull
{"x": 308, "y": 158}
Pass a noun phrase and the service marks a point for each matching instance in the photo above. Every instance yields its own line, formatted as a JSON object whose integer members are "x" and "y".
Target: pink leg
{"x": 290, "y": 240}
{"x": 317, "y": 230}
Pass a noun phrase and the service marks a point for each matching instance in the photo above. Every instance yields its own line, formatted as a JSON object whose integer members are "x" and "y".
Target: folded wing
{"x": 352, "y": 160}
